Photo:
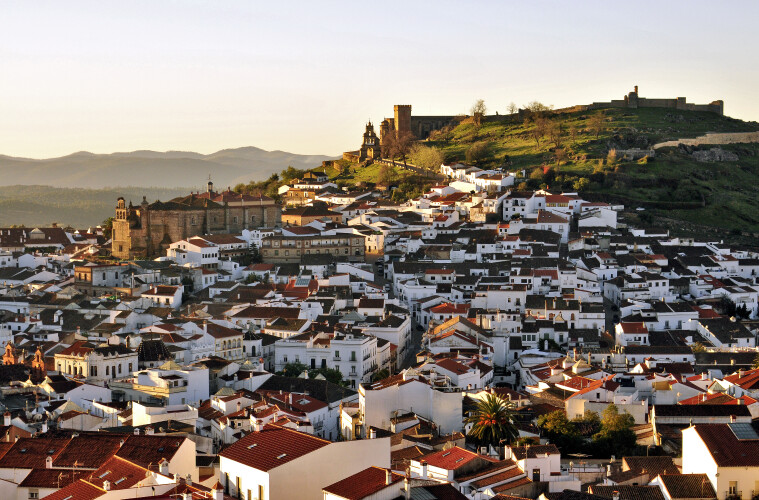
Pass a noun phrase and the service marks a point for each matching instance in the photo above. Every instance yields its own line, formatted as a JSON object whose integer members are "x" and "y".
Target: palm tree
{"x": 493, "y": 421}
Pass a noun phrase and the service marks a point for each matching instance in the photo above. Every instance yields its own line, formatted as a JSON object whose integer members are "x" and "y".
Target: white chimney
{"x": 44, "y": 427}
{"x": 372, "y": 434}
{"x": 149, "y": 430}
{"x": 163, "y": 467}
{"x": 388, "y": 476}
{"x": 258, "y": 425}
{"x": 217, "y": 492}
{"x": 136, "y": 431}
{"x": 48, "y": 462}
{"x": 239, "y": 406}
{"x": 7, "y": 418}
{"x": 615, "y": 495}
{"x": 732, "y": 419}
{"x": 290, "y": 399}
{"x": 186, "y": 496}
{"x": 424, "y": 469}
{"x": 107, "y": 485}
{"x": 406, "y": 489}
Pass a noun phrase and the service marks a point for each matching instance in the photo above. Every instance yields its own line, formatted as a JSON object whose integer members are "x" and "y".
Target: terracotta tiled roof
{"x": 272, "y": 447}
{"x": 688, "y": 486}
{"x": 363, "y": 484}
{"x": 726, "y": 449}
{"x": 452, "y": 458}
{"x": 628, "y": 492}
{"x": 30, "y": 453}
{"x": 80, "y": 490}
{"x": 522, "y": 452}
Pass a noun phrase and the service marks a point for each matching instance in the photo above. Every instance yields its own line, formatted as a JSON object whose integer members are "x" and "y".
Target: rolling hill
{"x": 169, "y": 169}
{"x": 675, "y": 187}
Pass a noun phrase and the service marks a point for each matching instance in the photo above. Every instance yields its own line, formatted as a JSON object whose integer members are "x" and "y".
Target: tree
{"x": 492, "y": 421}
{"x": 381, "y": 374}
{"x": 107, "y": 228}
{"x": 512, "y": 108}
{"x": 397, "y": 145}
{"x": 538, "y": 108}
{"x": 588, "y": 424}
{"x": 573, "y": 133}
{"x": 596, "y": 124}
{"x": 478, "y": 111}
{"x": 477, "y": 152}
{"x": 555, "y": 132}
{"x": 293, "y": 369}
{"x": 616, "y": 436}
{"x": 581, "y": 184}
{"x": 560, "y": 431}
{"x": 539, "y": 130}
{"x": 427, "y": 157}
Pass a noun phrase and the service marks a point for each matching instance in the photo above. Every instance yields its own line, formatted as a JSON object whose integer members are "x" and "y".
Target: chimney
{"x": 406, "y": 489}
{"x": 44, "y": 427}
{"x": 163, "y": 467}
{"x": 239, "y": 406}
{"x": 188, "y": 480}
{"x": 7, "y": 418}
{"x": 704, "y": 376}
{"x": 217, "y": 492}
{"x": 107, "y": 485}
{"x": 372, "y": 434}
{"x": 136, "y": 431}
{"x": 148, "y": 431}
{"x": 48, "y": 462}
{"x": 615, "y": 495}
{"x": 290, "y": 399}
{"x": 258, "y": 424}
{"x": 388, "y": 476}
{"x": 424, "y": 469}
{"x": 740, "y": 373}
{"x": 732, "y": 419}
{"x": 186, "y": 496}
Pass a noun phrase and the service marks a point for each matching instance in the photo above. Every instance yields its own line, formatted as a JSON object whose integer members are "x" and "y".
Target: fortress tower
{"x": 402, "y": 115}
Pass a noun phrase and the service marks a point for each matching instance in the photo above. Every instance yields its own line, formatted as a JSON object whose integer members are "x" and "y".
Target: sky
{"x": 304, "y": 77}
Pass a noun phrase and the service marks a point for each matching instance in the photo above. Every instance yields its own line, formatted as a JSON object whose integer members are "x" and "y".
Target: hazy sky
{"x": 304, "y": 77}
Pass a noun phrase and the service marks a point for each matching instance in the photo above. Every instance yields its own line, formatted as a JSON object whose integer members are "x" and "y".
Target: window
{"x": 119, "y": 368}
{"x": 106, "y": 371}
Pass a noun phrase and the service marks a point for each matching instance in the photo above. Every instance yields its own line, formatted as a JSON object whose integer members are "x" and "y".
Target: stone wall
{"x": 713, "y": 138}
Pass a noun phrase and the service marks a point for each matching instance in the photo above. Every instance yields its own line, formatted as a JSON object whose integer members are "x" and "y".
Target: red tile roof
{"x": 726, "y": 449}
{"x": 363, "y": 484}
{"x": 452, "y": 458}
{"x": 30, "y": 453}
{"x": 149, "y": 450}
{"x": 272, "y": 447}
{"x": 80, "y": 490}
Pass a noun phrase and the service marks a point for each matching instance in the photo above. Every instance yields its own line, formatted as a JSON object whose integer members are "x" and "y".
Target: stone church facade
{"x": 148, "y": 229}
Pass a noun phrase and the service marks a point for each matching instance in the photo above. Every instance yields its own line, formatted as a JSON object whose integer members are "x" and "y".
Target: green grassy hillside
{"x": 675, "y": 189}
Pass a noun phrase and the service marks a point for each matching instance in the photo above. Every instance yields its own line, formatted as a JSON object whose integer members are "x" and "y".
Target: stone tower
{"x": 402, "y": 118}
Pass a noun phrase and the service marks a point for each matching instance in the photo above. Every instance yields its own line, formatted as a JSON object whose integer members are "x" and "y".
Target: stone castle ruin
{"x": 421, "y": 126}
{"x": 402, "y": 122}
{"x": 633, "y": 101}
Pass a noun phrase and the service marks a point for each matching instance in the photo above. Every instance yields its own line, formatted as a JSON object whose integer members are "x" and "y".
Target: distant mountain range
{"x": 170, "y": 169}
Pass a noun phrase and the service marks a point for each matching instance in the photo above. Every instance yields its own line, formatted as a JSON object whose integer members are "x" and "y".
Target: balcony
{"x": 733, "y": 495}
